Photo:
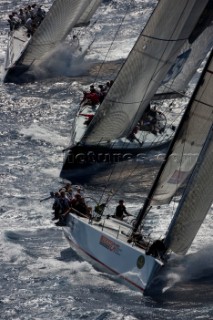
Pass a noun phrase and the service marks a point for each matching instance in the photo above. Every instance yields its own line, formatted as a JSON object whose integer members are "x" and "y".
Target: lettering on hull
{"x": 110, "y": 245}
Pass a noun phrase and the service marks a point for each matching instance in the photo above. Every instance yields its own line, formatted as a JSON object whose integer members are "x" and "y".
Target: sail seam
{"x": 114, "y": 101}
{"x": 161, "y": 39}
{"x": 204, "y": 103}
{"x": 19, "y": 39}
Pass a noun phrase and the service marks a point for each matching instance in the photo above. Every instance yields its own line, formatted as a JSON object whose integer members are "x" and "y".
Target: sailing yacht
{"x": 151, "y": 67}
{"x": 120, "y": 248}
{"x": 26, "y": 51}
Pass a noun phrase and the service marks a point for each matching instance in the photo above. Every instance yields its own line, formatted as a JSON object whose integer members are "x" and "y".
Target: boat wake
{"x": 62, "y": 62}
{"x": 186, "y": 279}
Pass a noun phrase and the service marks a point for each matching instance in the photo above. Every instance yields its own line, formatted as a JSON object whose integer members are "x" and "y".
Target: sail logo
{"x": 178, "y": 177}
{"x": 177, "y": 66}
{"x": 110, "y": 245}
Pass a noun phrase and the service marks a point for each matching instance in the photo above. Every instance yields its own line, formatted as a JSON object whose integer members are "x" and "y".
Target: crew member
{"x": 121, "y": 211}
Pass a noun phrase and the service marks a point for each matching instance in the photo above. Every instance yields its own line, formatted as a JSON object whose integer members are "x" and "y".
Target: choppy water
{"x": 41, "y": 277}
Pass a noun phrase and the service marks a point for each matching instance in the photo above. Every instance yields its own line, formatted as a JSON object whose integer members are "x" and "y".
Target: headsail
{"x": 186, "y": 64}
{"x": 186, "y": 145}
{"x": 189, "y": 140}
{"x": 60, "y": 19}
{"x": 195, "y": 203}
{"x": 88, "y": 13}
{"x": 190, "y": 56}
{"x": 145, "y": 68}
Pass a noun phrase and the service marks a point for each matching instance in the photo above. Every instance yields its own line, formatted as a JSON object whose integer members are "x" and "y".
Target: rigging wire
{"x": 112, "y": 194}
{"x": 98, "y": 73}
{"x": 112, "y": 42}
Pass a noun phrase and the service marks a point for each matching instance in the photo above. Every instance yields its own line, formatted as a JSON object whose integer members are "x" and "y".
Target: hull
{"x": 82, "y": 161}
{"x": 104, "y": 244}
{"x": 18, "y": 74}
{"x": 17, "y": 42}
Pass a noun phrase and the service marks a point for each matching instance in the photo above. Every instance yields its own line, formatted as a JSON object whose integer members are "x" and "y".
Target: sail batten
{"x": 144, "y": 70}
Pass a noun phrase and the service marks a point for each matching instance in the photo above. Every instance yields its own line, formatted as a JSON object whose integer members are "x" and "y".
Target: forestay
{"x": 59, "y": 21}
{"x": 189, "y": 140}
{"x": 195, "y": 203}
{"x": 145, "y": 68}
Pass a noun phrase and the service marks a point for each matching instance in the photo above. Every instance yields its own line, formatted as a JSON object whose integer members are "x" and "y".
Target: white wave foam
{"x": 52, "y": 172}
{"x": 36, "y": 132}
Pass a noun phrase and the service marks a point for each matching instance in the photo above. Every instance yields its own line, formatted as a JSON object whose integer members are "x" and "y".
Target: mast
{"x": 200, "y": 94}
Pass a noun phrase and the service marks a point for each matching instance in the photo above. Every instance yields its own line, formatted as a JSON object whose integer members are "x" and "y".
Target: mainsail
{"x": 145, "y": 68}
{"x": 60, "y": 19}
{"x": 189, "y": 140}
{"x": 194, "y": 204}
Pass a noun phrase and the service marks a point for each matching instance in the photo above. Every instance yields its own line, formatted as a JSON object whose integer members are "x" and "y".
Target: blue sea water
{"x": 41, "y": 277}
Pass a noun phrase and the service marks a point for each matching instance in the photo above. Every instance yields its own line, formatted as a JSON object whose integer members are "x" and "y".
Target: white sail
{"x": 186, "y": 64}
{"x": 60, "y": 19}
{"x": 195, "y": 126}
{"x": 145, "y": 68}
{"x": 195, "y": 203}
{"x": 88, "y": 13}
{"x": 190, "y": 56}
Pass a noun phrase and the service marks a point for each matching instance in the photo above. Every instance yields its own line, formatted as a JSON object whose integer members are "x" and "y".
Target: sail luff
{"x": 194, "y": 204}
{"x": 59, "y": 21}
{"x": 144, "y": 69}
